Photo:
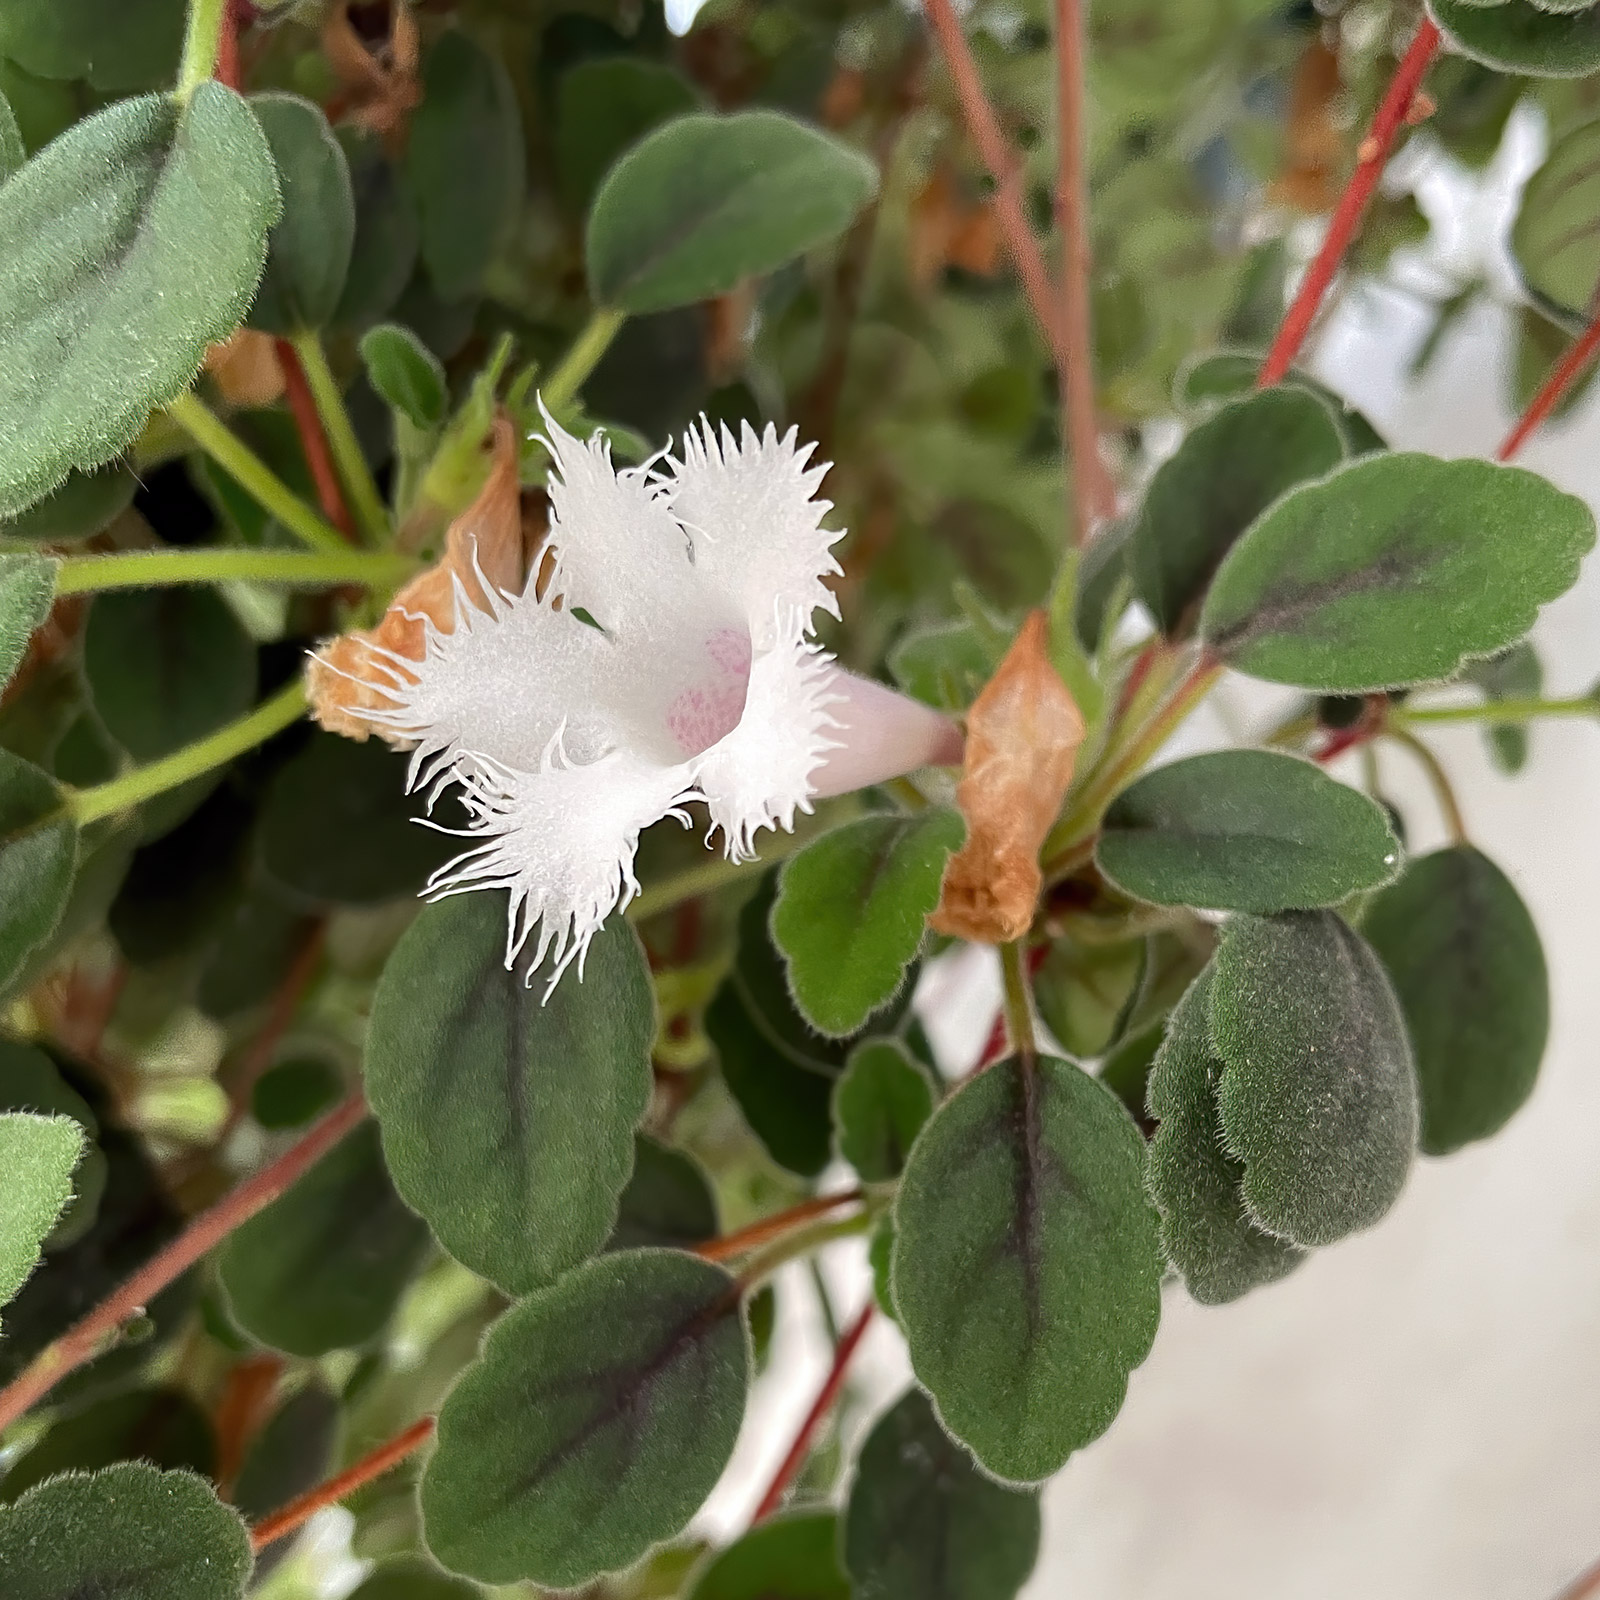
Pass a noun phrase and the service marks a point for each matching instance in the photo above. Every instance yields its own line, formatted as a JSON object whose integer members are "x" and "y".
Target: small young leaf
{"x": 852, "y": 908}
{"x": 323, "y": 1267}
{"x": 1466, "y": 963}
{"x": 706, "y": 201}
{"x": 1245, "y": 830}
{"x": 669, "y": 1202}
{"x": 1224, "y": 475}
{"x": 1319, "y": 1095}
{"x": 38, "y": 855}
{"x": 1027, "y": 1263}
{"x": 789, "y": 1558}
{"x": 131, "y": 1532}
{"x": 507, "y": 1118}
{"x": 37, "y": 1154}
{"x": 1208, "y": 1233}
{"x": 308, "y": 250}
{"x": 1519, "y": 37}
{"x": 599, "y": 1416}
{"x": 126, "y": 247}
{"x": 27, "y": 591}
{"x": 406, "y": 373}
{"x": 605, "y": 105}
{"x": 1394, "y": 570}
{"x": 879, "y": 1107}
{"x": 923, "y": 1521}
{"x": 945, "y": 665}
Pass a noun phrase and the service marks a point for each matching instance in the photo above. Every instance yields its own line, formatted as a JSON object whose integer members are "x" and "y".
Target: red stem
{"x": 373, "y": 1465}
{"x": 1561, "y": 379}
{"x": 85, "y": 1339}
{"x": 827, "y": 1395}
{"x": 742, "y": 1240}
{"x": 227, "y": 70}
{"x": 1370, "y": 158}
{"x": 303, "y": 408}
{"x": 1586, "y": 1584}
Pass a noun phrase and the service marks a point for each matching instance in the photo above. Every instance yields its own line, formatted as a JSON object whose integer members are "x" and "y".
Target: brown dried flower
{"x": 377, "y": 91}
{"x": 246, "y": 369}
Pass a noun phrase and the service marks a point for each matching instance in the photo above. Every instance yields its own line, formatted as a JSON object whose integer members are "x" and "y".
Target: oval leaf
{"x": 1556, "y": 238}
{"x": 27, "y": 591}
{"x": 879, "y": 1107}
{"x": 37, "y": 1154}
{"x": 604, "y": 105}
{"x": 118, "y": 45}
{"x": 30, "y": 1081}
{"x": 406, "y": 373}
{"x": 508, "y": 1119}
{"x": 1027, "y": 1263}
{"x": 81, "y": 506}
{"x": 668, "y": 1203}
{"x": 706, "y": 201}
{"x": 599, "y": 1416}
{"x": 1394, "y": 570}
{"x": 789, "y": 1558}
{"x": 1521, "y": 38}
{"x": 38, "y": 856}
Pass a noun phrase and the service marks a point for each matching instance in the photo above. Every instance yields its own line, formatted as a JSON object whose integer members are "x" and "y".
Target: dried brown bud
{"x": 246, "y": 369}
{"x": 1023, "y": 734}
{"x": 378, "y": 91}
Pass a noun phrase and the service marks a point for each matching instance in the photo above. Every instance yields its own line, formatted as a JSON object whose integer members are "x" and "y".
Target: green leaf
{"x": 412, "y": 1578}
{"x": 131, "y": 1532}
{"x": 37, "y": 1154}
{"x": 465, "y": 161}
{"x": 126, "y": 247}
{"x": 668, "y": 1203}
{"x": 27, "y": 591}
{"x": 1518, "y": 37}
{"x": 1086, "y": 992}
{"x": 1466, "y": 963}
{"x": 598, "y": 1418}
{"x": 945, "y": 665}
{"x": 29, "y": 1081}
{"x": 1245, "y": 830}
{"x": 12, "y": 151}
{"x": 604, "y": 106}
{"x": 1556, "y": 237}
{"x": 1514, "y": 674}
{"x": 1206, "y": 1229}
{"x": 1225, "y": 474}
{"x": 1223, "y": 375}
{"x": 788, "y": 1558}
{"x": 118, "y": 45}
{"x": 1027, "y": 1263}
{"x": 38, "y": 856}
{"x": 291, "y": 1453}
{"x": 851, "y": 910}
{"x": 1105, "y": 585}
{"x": 323, "y": 1267}
{"x": 294, "y": 1093}
{"x": 923, "y": 1521}
{"x": 1126, "y": 1071}
{"x": 1394, "y": 570}
{"x": 1319, "y": 1095}
{"x": 308, "y": 250}
{"x": 406, "y": 374}
{"x": 879, "y": 1107}
{"x": 383, "y": 254}
{"x": 507, "y": 1117}
{"x": 707, "y": 201}
{"x": 83, "y": 505}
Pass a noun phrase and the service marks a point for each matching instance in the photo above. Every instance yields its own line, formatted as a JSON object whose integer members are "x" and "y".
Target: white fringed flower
{"x": 669, "y": 658}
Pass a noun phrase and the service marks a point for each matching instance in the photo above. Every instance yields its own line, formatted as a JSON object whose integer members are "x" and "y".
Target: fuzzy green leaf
{"x": 606, "y": 105}
{"x": 1207, "y": 1231}
{"x": 599, "y": 1416}
{"x": 1224, "y": 475}
{"x": 879, "y": 1107}
{"x": 12, "y": 152}
{"x": 669, "y": 1202}
{"x": 788, "y": 1558}
{"x": 1521, "y": 38}
{"x": 1394, "y": 570}
{"x": 131, "y": 1532}
{"x": 945, "y": 665}
{"x": 1319, "y": 1095}
{"x": 30, "y": 1081}
{"x": 126, "y": 247}
{"x": 37, "y": 1154}
{"x": 706, "y": 201}
{"x": 507, "y": 1117}
{"x": 1556, "y": 237}
{"x": 1245, "y": 830}
{"x": 923, "y": 1521}
{"x": 406, "y": 373}
{"x": 1466, "y": 963}
{"x": 852, "y": 908}
{"x": 1027, "y": 1263}
{"x": 27, "y": 591}
{"x": 38, "y": 855}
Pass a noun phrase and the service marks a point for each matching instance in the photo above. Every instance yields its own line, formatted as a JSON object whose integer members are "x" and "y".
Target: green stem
{"x": 1019, "y": 1009}
{"x": 1578, "y": 705}
{"x": 252, "y": 474}
{"x": 147, "y": 569}
{"x": 354, "y": 473}
{"x": 562, "y": 386}
{"x": 200, "y": 46}
{"x": 143, "y": 783}
{"x": 1443, "y": 790}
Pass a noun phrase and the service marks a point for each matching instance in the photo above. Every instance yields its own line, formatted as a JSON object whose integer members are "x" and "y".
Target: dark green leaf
{"x": 507, "y": 1117}
{"x": 29, "y": 1081}
{"x": 1208, "y": 1233}
{"x": 706, "y": 201}
{"x": 1469, "y": 971}
{"x": 131, "y": 1532}
{"x": 1319, "y": 1095}
{"x": 412, "y": 1578}
{"x": 294, "y": 1093}
{"x": 1027, "y": 1263}
{"x": 465, "y": 162}
{"x": 38, "y": 855}
{"x": 308, "y": 250}
{"x": 1245, "y": 830}
{"x": 83, "y": 505}
{"x": 945, "y": 665}
{"x": 37, "y": 1154}
{"x": 292, "y": 1453}
{"x": 1126, "y": 1071}
{"x": 1225, "y": 375}
{"x": 879, "y": 1107}
{"x": 924, "y": 1522}
{"x": 1085, "y": 992}
{"x": 599, "y": 1416}
{"x": 1514, "y": 674}
{"x": 323, "y": 1267}
{"x": 1556, "y": 238}
{"x": 126, "y": 247}
{"x": 668, "y": 1202}
{"x": 27, "y": 591}
{"x": 118, "y": 45}
{"x": 851, "y": 910}
{"x": 254, "y": 950}
{"x": 604, "y": 106}
{"x": 1518, "y": 37}
{"x": 383, "y": 254}
{"x": 789, "y": 1558}
{"x": 1225, "y": 474}
{"x": 1394, "y": 570}
{"x": 406, "y": 373}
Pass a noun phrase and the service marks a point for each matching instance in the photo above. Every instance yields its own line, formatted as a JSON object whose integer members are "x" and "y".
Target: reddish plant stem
{"x": 1346, "y": 222}
{"x": 1366, "y": 727}
{"x": 240, "y": 1412}
{"x": 227, "y": 70}
{"x": 1565, "y": 373}
{"x": 827, "y": 1396}
{"x": 88, "y": 1337}
{"x": 313, "y": 441}
{"x": 372, "y": 1465}
{"x": 763, "y": 1232}
{"x": 1584, "y": 1586}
